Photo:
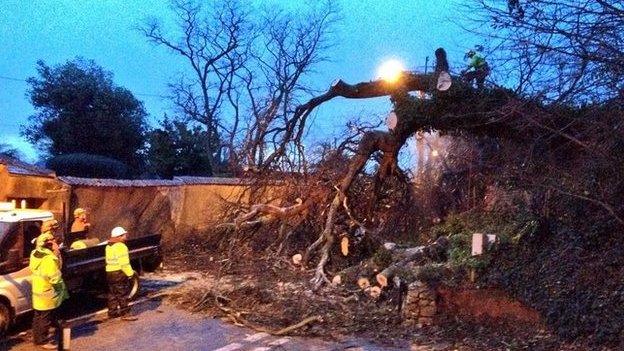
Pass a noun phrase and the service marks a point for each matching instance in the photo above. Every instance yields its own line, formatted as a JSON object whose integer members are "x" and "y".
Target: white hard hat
{"x": 117, "y": 232}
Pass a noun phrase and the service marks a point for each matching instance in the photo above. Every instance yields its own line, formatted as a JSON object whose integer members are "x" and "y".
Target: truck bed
{"x": 78, "y": 262}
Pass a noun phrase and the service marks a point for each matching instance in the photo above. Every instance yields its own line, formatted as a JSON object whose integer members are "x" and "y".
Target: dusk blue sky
{"x": 57, "y": 30}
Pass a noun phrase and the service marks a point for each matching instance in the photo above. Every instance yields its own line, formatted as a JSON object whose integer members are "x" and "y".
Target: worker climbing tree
{"x": 478, "y": 69}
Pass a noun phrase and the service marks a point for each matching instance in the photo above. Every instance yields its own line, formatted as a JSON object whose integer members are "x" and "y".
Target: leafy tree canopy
{"x": 80, "y": 110}
{"x": 177, "y": 149}
{"x": 8, "y": 150}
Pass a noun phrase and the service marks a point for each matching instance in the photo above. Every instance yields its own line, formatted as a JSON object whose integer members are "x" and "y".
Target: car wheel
{"x": 134, "y": 286}
{"x": 5, "y": 319}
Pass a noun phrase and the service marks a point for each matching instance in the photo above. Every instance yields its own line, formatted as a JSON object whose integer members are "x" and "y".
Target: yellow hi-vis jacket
{"x": 118, "y": 259}
{"x": 48, "y": 287}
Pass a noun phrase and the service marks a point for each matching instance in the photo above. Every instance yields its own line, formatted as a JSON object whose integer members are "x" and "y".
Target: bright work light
{"x": 391, "y": 70}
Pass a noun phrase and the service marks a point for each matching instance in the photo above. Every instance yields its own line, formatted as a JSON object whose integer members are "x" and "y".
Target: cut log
{"x": 350, "y": 274}
{"x": 297, "y": 259}
{"x": 384, "y": 277}
{"x": 366, "y": 269}
{"x": 375, "y": 292}
{"x": 363, "y": 283}
{"x": 433, "y": 251}
{"x": 344, "y": 246}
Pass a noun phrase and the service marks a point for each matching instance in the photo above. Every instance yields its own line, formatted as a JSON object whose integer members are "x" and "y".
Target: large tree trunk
{"x": 295, "y": 127}
{"x": 371, "y": 142}
{"x": 389, "y": 143}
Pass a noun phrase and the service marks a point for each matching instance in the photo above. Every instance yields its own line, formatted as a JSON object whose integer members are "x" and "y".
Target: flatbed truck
{"x": 83, "y": 269}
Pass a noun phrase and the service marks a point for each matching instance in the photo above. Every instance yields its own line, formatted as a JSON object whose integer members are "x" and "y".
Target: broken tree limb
{"x": 237, "y": 318}
{"x": 408, "y": 81}
{"x": 388, "y": 142}
{"x": 293, "y": 226}
{"x": 270, "y": 210}
{"x": 298, "y": 325}
{"x": 407, "y": 256}
{"x": 268, "y": 213}
{"x": 328, "y": 236}
{"x": 384, "y": 276}
{"x": 371, "y": 142}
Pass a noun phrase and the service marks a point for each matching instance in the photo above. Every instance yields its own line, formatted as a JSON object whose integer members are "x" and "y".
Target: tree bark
{"x": 295, "y": 127}
{"x": 421, "y": 253}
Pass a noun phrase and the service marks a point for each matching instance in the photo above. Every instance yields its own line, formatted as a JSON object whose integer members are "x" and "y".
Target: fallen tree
{"x": 492, "y": 112}
{"x": 388, "y": 143}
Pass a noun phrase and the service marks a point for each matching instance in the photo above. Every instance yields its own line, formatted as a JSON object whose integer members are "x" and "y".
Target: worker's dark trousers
{"x": 117, "y": 294}
{"x": 42, "y": 321}
{"x": 479, "y": 75}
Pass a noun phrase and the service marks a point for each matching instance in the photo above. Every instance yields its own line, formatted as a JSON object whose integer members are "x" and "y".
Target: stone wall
{"x": 420, "y": 306}
{"x": 139, "y": 210}
{"x": 202, "y": 206}
{"x": 173, "y": 210}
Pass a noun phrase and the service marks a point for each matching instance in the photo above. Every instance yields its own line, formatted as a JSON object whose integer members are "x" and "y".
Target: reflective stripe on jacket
{"x": 118, "y": 259}
{"x": 48, "y": 287}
